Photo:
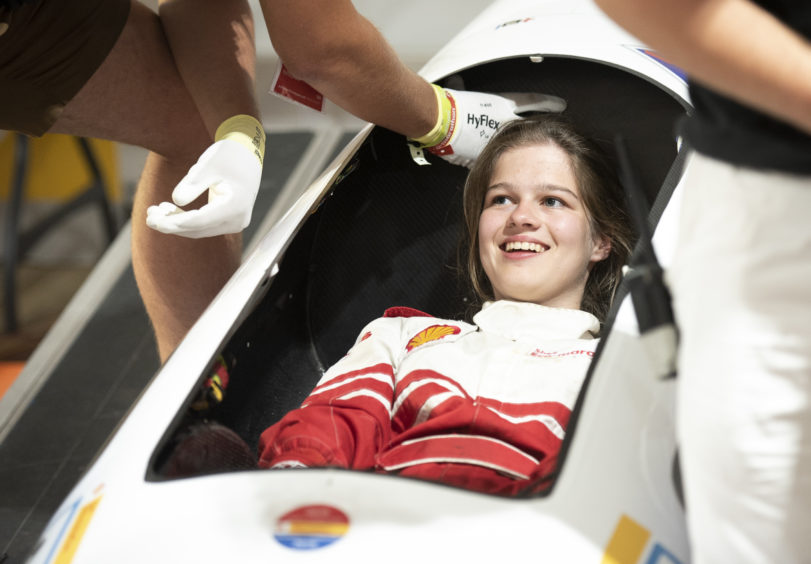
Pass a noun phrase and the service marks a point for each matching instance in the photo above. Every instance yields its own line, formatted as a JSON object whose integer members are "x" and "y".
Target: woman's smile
{"x": 520, "y": 248}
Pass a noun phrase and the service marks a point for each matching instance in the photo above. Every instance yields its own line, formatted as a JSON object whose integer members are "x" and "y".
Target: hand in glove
{"x": 467, "y": 120}
{"x": 230, "y": 170}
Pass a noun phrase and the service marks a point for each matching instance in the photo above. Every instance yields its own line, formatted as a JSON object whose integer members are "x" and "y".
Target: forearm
{"x": 732, "y": 46}
{"x": 341, "y": 54}
{"x": 212, "y": 42}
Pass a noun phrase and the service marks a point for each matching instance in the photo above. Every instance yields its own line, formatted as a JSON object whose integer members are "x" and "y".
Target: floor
{"x": 45, "y": 291}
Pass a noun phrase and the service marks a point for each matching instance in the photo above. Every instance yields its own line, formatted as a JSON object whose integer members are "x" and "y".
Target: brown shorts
{"x": 49, "y": 51}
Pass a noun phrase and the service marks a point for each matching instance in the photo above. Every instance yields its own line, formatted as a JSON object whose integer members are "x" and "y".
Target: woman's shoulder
{"x": 403, "y": 327}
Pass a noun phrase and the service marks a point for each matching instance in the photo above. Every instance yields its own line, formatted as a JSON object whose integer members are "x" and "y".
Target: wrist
{"x": 245, "y": 130}
{"x": 441, "y": 133}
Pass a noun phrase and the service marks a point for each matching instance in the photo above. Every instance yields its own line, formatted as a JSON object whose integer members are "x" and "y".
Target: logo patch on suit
{"x": 432, "y": 333}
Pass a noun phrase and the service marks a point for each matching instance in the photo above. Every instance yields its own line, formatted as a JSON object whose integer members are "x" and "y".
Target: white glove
{"x": 467, "y": 120}
{"x": 230, "y": 170}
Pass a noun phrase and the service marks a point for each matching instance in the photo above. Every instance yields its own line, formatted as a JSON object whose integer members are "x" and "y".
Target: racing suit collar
{"x": 524, "y": 321}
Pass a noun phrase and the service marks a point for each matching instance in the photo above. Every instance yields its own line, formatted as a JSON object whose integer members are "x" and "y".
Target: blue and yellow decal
{"x": 72, "y": 528}
{"x": 630, "y": 544}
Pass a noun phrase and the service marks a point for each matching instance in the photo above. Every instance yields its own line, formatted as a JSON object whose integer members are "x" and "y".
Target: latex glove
{"x": 467, "y": 120}
{"x": 230, "y": 170}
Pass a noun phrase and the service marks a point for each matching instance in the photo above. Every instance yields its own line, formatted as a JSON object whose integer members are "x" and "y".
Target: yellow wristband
{"x": 246, "y": 131}
{"x": 443, "y": 122}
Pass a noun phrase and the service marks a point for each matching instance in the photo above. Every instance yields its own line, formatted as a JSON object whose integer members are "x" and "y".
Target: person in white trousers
{"x": 741, "y": 277}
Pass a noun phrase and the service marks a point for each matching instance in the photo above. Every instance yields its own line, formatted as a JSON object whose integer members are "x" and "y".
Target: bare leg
{"x": 137, "y": 97}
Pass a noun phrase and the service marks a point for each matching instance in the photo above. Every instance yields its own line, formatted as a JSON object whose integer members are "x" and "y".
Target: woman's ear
{"x": 602, "y": 248}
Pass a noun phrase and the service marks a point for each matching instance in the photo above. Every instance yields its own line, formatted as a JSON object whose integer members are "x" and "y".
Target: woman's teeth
{"x": 523, "y": 246}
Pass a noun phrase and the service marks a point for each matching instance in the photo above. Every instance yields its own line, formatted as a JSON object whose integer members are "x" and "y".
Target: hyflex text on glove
{"x": 467, "y": 120}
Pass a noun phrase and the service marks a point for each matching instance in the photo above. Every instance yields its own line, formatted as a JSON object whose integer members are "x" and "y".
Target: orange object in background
{"x": 8, "y": 373}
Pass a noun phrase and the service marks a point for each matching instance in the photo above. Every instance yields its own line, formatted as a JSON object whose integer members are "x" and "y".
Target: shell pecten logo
{"x": 432, "y": 333}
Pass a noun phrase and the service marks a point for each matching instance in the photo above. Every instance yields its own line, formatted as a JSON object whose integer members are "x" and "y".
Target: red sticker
{"x": 288, "y": 86}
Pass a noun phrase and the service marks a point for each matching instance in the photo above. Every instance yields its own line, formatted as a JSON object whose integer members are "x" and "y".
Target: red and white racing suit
{"x": 481, "y": 406}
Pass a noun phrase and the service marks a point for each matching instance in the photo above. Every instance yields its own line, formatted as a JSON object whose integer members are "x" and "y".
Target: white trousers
{"x": 741, "y": 281}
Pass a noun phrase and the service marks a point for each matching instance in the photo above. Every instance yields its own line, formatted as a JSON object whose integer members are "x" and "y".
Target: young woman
{"x": 482, "y": 405}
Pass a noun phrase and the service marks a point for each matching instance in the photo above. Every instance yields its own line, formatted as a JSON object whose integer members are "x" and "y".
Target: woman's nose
{"x": 524, "y": 215}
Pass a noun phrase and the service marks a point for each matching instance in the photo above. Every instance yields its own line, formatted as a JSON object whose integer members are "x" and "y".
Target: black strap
{"x": 668, "y": 186}
{"x": 645, "y": 279}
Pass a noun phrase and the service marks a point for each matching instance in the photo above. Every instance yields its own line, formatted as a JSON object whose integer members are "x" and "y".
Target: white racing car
{"x": 376, "y": 230}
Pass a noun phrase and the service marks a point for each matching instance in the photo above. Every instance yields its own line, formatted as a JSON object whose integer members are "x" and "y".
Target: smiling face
{"x": 535, "y": 240}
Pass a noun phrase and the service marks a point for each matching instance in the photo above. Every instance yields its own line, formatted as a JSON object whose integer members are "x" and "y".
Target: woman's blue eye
{"x": 552, "y": 201}
{"x": 499, "y": 200}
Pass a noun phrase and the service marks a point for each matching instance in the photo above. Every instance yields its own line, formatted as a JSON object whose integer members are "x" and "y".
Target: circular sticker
{"x": 311, "y": 526}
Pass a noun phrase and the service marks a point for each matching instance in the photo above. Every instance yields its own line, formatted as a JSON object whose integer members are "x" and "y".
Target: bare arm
{"x": 733, "y": 46}
{"x": 212, "y": 43}
{"x": 340, "y": 53}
